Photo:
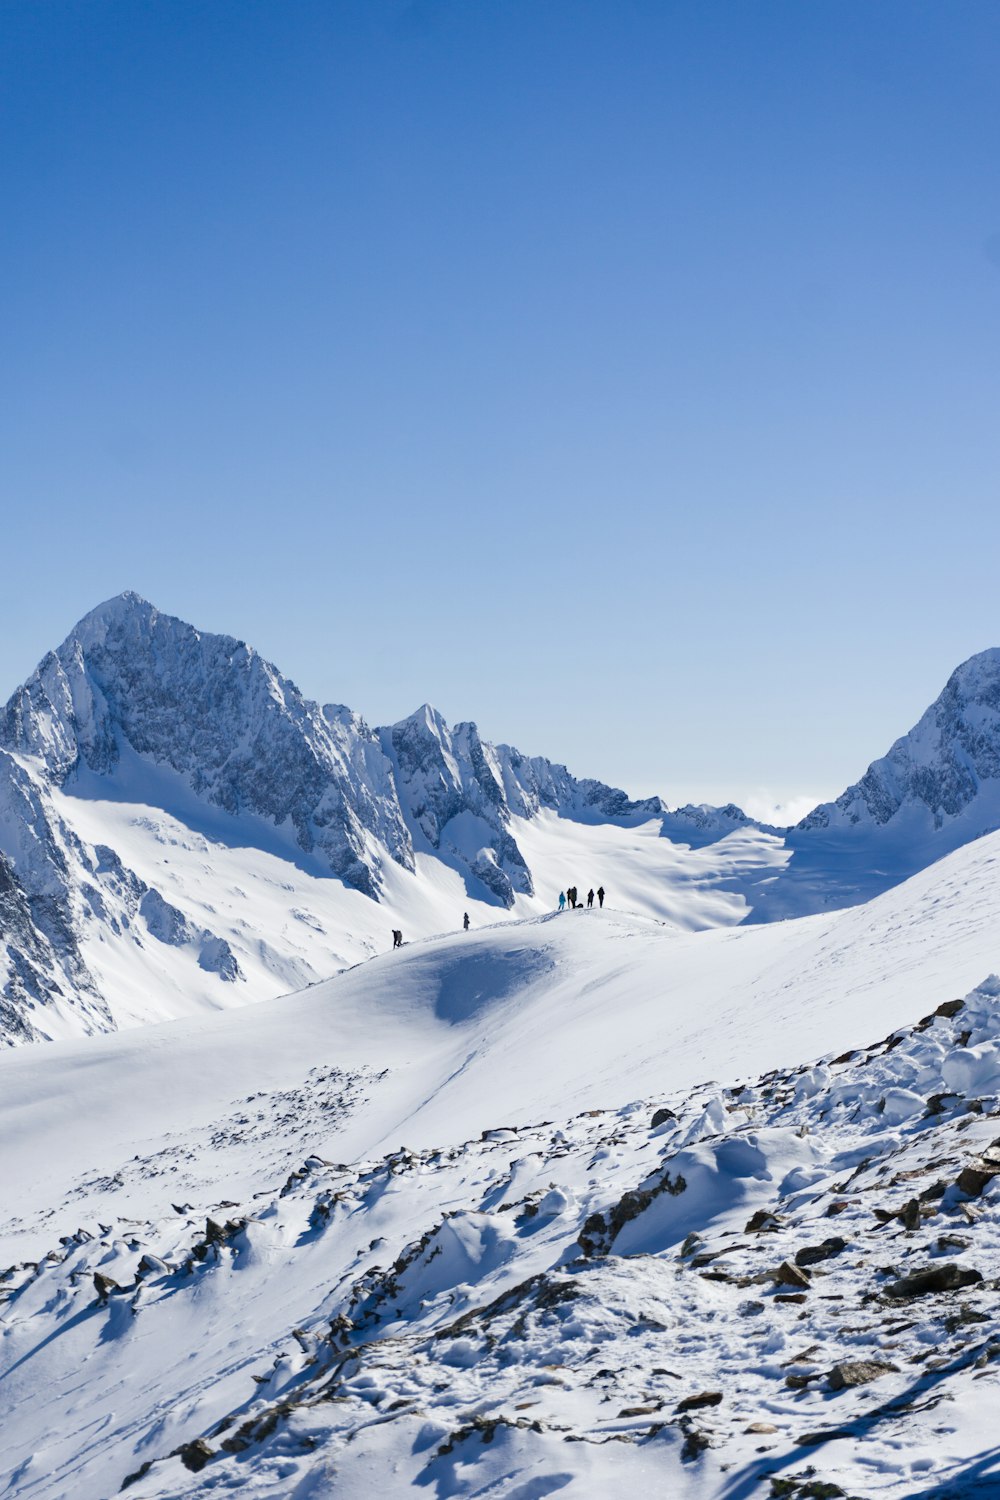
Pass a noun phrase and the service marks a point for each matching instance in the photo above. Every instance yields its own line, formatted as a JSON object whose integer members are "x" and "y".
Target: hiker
{"x": 465, "y": 921}
{"x": 590, "y": 897}
{"x": 397, "y": 938}
{"x": 562, "y": 901}
{"x": 571, "y": 893}
{"x": 600, "y": 894}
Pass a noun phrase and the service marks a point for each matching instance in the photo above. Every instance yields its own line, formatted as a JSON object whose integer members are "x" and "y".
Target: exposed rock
{"x": 598, "y": 1234}
{"x": 937, "y": 1104}
{"x": 104, "y": 1286}
{"x": 704, "y": 1398}
{"x": 194, "y": 1456}
{"x": 909, "y": 1215}
{"x": 695, "y": 1443}
{"x": 811, "y": 1255}
{"x": 974, "y": 1177}
{"x": 796, "y": 1382}
{"x": 946, "y": 1278}
{"x": 661, "y": 1117}
{"x": 854, "y": 1372}
{"x": 789, "y": 1275}
{"x": 763, "y": 1221}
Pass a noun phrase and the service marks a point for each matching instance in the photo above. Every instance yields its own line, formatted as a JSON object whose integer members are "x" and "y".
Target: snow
{"x": 417, "y": 1145}
{"x": 291, "y": 1214}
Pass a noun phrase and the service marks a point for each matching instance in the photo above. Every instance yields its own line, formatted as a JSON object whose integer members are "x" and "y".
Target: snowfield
{"x": 414, "y": 1227}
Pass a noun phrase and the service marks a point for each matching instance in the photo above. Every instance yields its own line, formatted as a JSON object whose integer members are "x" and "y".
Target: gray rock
{"x": 854, "y": 1372}
{"x": 811, "y": 1255}
{"x": 946, "y": 1278}
{"x": 789, "y": 1275}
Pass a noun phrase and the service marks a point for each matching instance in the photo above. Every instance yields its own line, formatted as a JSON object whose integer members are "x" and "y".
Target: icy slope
{"x": 499, "y": 1285}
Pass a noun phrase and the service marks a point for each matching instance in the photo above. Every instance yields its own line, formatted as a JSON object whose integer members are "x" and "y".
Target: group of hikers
{"x": 571, "y": 896}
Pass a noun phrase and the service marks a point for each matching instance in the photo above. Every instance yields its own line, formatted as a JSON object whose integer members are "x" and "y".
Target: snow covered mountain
{"x": 180, "y": 829}
{"x": 938, "y": 788}
{"x": 142, "y": 734}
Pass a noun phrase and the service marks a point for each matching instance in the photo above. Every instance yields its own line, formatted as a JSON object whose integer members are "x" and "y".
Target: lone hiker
{"x": 600, "y": 894}
{"x": 562, "y": 901}
{"x": 465, "y": 921}
{"x": 397, "y": 938}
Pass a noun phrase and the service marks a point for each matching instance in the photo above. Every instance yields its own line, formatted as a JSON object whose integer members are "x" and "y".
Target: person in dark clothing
{"x": 465, "y": 921}
{"x": 600, "y": 894}
{"x": 590, "y": 897}
{"x": 397, "y": 938}
{"x": 571, "y": 893}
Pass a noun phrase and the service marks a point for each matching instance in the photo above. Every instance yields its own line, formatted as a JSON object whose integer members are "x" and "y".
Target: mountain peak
{"x": 428, "y": 718}
{"x": 118, "y": 607}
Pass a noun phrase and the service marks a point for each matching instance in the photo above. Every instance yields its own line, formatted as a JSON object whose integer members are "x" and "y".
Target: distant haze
{"x": 621, "y": 376}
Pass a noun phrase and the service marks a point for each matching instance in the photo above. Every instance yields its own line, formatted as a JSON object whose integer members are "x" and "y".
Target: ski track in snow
{"x": 448, "y": 1251}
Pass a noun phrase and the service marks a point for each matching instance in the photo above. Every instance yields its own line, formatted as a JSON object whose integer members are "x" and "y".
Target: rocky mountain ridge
{"x": 138, "y": 704}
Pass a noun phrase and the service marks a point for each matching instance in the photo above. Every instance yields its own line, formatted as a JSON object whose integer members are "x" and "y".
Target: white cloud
{"x": 767, "y": 807}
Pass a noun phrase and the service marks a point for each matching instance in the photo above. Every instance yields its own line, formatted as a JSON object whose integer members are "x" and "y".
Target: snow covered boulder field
{"x": 579, "y": 1203}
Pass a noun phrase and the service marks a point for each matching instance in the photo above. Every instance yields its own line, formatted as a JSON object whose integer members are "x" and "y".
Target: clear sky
{"x": 621, "y": 374}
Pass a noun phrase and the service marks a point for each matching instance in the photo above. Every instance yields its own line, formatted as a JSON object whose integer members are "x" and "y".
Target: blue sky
{"x": 622, "y": 375}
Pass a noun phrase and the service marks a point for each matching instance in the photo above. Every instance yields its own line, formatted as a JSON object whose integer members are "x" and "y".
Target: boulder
{"x": 909, "y": 1215}
{"x": 704, "y": 1398}
{"x": 946, "y": 1278}
{"x": 852, "y": 1372}
{"x": 789, "y": 1275}
{"x": 977, "y": 1175}
{"x": 811, "y": 1255}
{"x": 763, "y": 1222}
{"x": 194, "y": 1456}
{"x": 104, "y": 1286}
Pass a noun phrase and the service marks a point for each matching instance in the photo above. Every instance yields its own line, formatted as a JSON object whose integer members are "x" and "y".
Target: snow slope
{"x": 447, "y": 1247}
